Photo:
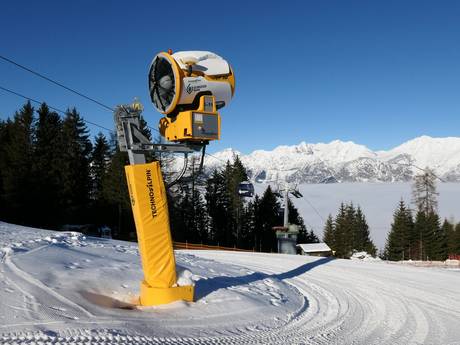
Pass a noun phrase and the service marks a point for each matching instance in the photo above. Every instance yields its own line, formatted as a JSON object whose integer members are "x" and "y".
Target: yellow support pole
{"x": 150, "y": 209}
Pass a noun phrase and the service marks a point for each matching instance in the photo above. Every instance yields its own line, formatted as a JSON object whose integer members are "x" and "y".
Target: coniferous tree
{"x": 435, "y": 240}
{"x": 217, "y": 206}
{"x": 362, "y": 240}
{"x": 16, "y": 174}
{"x": 311, "y": 237}
{"x": 100, "y": 159}
{"x": 47, "y": 169}
{"x": 257, "y": 221}
{"x": 270, "y": 216}
{"x": 449, "y": 229}
{"x": 3, "y": 168}
{"x": 116, "y": 196}
{"x": 349, "y": 232}
{"x": 426, "y": 228}
{"x": 192, "y": 225}
{"x": 74, "y": 164}
{"x": 456, "y": 241}
{"x": 442, "y": 243}
{"x": 248, "y": 219}
{"x": 398, "y": 245}
{"x": 329, "y": 235}
{"x": 343, "y": 231}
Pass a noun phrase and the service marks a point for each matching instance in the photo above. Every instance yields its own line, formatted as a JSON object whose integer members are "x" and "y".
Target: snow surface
{"x": 64, "y": 288}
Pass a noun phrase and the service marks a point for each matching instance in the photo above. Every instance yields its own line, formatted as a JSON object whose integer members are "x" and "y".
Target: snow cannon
{"x": 189, "y": 88}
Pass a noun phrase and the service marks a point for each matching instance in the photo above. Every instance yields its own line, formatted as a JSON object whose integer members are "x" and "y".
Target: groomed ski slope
{"x": 63, "y": 288}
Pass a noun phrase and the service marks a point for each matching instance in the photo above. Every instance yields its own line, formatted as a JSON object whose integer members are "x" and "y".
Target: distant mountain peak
{"x": 346, "y": 161}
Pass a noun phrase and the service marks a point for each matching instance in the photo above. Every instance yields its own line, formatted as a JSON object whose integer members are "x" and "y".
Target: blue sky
{"x": 374, "y": 72}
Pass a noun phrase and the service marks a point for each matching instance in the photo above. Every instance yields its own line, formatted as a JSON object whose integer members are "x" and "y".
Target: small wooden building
{"x": 315, "y": 249}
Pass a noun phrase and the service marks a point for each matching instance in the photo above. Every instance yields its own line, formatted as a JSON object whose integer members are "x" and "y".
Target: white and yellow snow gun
{"x": 188, "y": 88}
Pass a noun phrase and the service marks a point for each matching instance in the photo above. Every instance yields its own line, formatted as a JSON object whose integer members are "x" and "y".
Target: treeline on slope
{"x": 52, "y": 174}
{"x": 213, "y": 212}
{"x": 422, "y": 238}
{"x": 348, "y": 232}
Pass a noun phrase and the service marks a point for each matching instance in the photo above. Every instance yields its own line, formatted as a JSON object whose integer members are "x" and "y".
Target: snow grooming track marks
{"x": 361, "y": 303}
{"x": 243, "y": 298}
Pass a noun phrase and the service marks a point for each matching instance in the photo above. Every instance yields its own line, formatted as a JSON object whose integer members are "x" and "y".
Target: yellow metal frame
{"x": 149, "y": 204}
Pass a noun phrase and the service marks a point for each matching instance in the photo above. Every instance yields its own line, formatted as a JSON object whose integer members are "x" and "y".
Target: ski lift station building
{"x": 315, "y": 249}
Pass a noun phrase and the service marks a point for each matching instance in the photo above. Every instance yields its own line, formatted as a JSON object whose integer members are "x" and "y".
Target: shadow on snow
{"x": 204, "y": 287}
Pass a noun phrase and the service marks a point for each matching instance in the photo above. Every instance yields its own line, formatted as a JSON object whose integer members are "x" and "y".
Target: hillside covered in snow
{"x": 64, "y": 288}
{"x": 340, "y": 161}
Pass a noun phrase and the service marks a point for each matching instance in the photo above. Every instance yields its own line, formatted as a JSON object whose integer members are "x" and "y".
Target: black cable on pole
{"x": 55, "y": 82}
{"x": 53, "y": 108}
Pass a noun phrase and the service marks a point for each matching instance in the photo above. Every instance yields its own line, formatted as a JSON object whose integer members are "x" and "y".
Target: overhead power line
{"x": 55, "y": 82}
{"x": 92, "y": 99}
{"x": 53, "y": 108}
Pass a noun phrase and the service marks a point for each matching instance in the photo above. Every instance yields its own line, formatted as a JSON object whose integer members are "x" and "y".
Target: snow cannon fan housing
{"x": 189, "y": 87}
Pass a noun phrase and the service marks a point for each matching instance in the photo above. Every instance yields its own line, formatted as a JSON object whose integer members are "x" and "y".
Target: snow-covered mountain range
{"x": 340, "y": 161}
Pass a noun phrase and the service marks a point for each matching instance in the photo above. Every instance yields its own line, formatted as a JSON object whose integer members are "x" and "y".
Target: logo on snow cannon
{"x": 153, "y": 207}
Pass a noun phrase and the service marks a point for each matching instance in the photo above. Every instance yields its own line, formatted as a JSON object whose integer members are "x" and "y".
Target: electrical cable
{"x": 63, "y": 86}
{"x": 53, "y": 108}
{"x": 55, "y": 82}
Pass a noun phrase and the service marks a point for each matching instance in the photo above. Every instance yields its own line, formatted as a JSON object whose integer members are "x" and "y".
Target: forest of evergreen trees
{"x": 52, "y": 174}
{"x": 422, "y": 238}
{"x": 348, "y": 232}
